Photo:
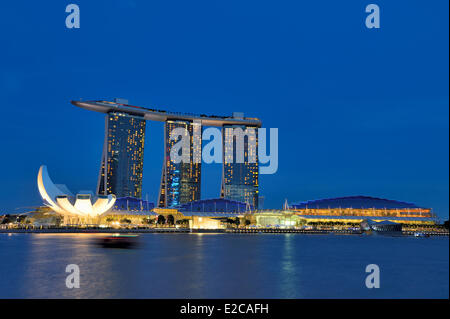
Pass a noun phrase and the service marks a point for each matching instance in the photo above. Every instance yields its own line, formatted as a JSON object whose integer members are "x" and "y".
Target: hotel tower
{"x": 121, "y": 168}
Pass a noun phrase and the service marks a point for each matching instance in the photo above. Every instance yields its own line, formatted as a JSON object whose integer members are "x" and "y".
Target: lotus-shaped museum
{"x": 61, "y": 200}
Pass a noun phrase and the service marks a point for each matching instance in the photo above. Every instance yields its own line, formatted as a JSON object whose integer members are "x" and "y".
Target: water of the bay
{"x": 224, "y": 266}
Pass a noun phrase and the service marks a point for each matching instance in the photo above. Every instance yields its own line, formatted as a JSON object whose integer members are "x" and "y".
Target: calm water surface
{"x": 224, "y": 266}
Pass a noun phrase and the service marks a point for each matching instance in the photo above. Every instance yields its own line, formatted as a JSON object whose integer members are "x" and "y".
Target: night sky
{"x": 360, "y": 111}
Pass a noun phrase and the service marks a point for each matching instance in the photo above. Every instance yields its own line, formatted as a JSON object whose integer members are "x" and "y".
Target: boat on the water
{"x": 118, "y": 241}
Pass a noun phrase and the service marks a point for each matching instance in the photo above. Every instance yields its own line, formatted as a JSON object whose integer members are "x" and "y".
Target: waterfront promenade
{"x": 189, "y": 230}
{"x": 95, "y": 230}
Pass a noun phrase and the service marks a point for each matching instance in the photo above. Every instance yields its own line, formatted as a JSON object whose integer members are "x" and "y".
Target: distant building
{"x": 123, "y": 155}
{"x": 385, "y": 226}
{"x": 132, "y": 204}
{"x": 197, "y": 222}
{"x": 180, "y": 182}
{"x": 215, "y": 205}
{"x": 61, "y": 200}
{"x": 363, "y": 206}
{"x": 347, "y": 210}
{"x": 122, "y": 160}
{"x": 240, "y": 180}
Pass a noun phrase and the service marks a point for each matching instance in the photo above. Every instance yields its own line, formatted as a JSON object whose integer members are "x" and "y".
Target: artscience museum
{"x": 83, "y": 205}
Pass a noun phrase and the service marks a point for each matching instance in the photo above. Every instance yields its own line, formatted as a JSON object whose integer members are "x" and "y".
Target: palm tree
{"x": 170, "y": 220}
{"x": 161, "y": 220}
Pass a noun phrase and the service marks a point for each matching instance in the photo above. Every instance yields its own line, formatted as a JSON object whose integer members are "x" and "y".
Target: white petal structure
{"x": 61, "y": 200}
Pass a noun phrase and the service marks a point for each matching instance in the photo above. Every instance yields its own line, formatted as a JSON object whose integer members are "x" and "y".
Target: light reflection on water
{"x": 223, "y": 266}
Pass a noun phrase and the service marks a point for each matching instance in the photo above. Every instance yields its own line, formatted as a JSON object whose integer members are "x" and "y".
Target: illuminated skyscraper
{"x": 123, "y": 155}
{"x": 122, "y": 160}
{"x": 181, "y": 182}
{"x": 240, "y": 180}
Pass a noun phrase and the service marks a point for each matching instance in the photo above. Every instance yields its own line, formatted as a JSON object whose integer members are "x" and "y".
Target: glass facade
{"x": 240, "y": 180}
{"x": 180, "y": 182}
{"x": 216, "y": 205}
{"x": 123, "y": 156}
{"x": 133, "y": 204}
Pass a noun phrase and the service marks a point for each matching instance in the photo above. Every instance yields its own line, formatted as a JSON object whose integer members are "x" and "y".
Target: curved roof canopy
{"x": 357, "y": 202}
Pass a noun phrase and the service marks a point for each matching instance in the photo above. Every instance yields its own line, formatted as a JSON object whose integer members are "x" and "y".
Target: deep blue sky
{"x": 359, "y": 111}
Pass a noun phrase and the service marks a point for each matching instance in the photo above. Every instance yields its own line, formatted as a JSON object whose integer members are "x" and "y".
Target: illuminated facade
{"x": 122, "y": 160}
{"x": 240, "y": 180}
{"x": 181, "y": 182}
{"x": 361, "y": 206}
{"x": 344, "y": 212}
{"x": 216, "y": 205}
{"x": 61, "y": 200}
{"x": 133, "y": 204}
{"x": 198, "y": 222}
{"x": 123, "y": 156}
